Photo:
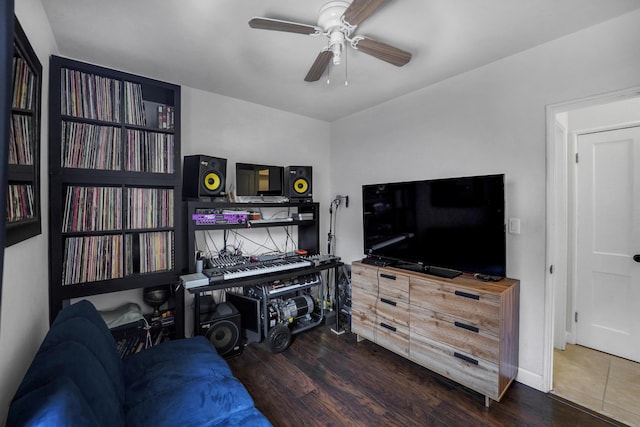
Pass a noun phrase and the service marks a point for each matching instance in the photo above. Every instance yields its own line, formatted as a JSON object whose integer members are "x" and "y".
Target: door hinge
{"x": 577, "y": 158}
{"x": 576, "y": 317}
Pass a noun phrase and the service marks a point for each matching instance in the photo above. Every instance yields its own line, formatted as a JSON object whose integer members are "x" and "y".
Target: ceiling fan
{"x": 337, "y": 21}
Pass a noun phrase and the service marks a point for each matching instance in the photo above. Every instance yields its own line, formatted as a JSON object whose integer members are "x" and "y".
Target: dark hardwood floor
{"x": 324, "y": 379}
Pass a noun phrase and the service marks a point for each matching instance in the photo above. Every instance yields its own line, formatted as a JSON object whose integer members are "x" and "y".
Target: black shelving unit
{"x": 308, "y": 230}
{"x": 115, "y": 183}
{"x": 23, "y": 174}
{"x": 265, "y": 297}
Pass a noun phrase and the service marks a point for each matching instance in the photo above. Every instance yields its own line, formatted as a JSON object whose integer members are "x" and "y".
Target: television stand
{"x": 462, "y": 329}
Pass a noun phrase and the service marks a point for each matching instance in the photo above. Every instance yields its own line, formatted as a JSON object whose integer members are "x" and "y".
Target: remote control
{"x": 487, "y": 277}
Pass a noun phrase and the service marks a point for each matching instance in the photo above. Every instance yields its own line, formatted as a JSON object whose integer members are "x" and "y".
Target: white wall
{"x": 25, "y": 286}
{"x": 489, "y": 120}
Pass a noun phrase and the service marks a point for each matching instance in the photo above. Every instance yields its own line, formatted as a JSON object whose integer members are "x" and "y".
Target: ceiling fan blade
{"x": 383, "y": 51}
{"x": 359, "y": 10}
{"x": 319, "y": 65}
{"x": 280, "y": 25}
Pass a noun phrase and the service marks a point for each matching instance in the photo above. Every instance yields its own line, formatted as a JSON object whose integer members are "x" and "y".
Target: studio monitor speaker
{"x": 298, "y": 183}
{"x": 203, "y": 176}
{"x": 222, "y": 328}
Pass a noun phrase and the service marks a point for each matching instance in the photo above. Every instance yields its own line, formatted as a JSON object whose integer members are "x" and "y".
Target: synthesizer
{"x": 255, "y": 268}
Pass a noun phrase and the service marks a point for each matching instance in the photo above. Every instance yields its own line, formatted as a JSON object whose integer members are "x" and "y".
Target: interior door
{"x": 608, "y": 222}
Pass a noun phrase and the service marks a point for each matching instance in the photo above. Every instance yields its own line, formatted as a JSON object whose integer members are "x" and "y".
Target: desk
{"x": 269, "y": 313}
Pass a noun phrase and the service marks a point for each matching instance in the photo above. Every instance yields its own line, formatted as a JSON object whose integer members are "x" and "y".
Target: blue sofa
{"x": 78, "y": 379}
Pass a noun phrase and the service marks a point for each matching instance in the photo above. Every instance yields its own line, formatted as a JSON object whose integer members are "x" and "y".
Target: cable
{"x": 332, "y": 222}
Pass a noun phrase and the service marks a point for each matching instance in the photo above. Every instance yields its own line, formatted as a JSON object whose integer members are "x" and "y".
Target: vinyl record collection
{"x": 90, "y": 96}
{"x": 92, "y": 209}
{"x": 20, "y": 135}
{"x": 149, "y": 152}
{"x": 155, "y": 252}
{"x": 92, "y": 258}
{"x": 134, "y": 106}
{"x": 20, "y": 202}
{"x": 149, "y": 208}
{"x": 90, "y": 146}
{"x": 23, "y": 84}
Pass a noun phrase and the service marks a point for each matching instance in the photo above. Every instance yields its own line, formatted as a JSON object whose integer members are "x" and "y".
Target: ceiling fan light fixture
{"x": 331, "y": 15}
{"x": 336, "y": 45}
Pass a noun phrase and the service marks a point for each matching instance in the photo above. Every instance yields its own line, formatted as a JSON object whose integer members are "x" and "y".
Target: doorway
{"x": 565, "y": 359}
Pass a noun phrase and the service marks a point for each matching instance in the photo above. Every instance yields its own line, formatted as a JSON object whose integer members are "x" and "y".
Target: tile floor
{"x": 599, "y": 381}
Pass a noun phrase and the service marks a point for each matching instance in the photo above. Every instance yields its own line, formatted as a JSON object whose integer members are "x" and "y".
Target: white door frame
{"x": 557, "y": 231}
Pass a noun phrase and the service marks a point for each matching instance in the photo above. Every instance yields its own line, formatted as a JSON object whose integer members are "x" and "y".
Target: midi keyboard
{"x": 255, "y": 269}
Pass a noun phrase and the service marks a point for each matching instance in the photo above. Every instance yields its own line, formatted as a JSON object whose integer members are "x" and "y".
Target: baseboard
{"x": 530, "y": 379}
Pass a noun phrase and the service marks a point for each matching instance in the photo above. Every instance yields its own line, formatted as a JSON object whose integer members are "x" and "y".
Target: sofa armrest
{"x": 57, "y": 403}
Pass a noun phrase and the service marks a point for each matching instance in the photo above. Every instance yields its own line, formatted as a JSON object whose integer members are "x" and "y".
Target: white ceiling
{"x": 208, "y": 45}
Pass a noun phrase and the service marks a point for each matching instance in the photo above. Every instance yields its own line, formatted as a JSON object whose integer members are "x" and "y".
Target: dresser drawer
{"x": 476, "y": 307}
{"x": 393, "y": 336}
{"x": 393, "y": 285}
{"x": 363, "y": 313}
{"x": 471, "y": 339}
{"x": 477, "y": 374}
{"x": 394, "y": 312}
{"x": 364, "y": 277}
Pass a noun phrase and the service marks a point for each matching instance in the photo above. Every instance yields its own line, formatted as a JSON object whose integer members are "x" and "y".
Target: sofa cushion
{"x": 57, "y": 403}
{"x": 74, "y": 361}
{"x": 183, "y": 382}
{"x": 87, "y": 334}
{"x": 248, "y": 417}
{"x": 86, "y": 310}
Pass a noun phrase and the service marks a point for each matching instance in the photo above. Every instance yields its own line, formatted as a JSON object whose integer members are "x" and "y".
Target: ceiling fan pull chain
{"x": 346, "y": 69}
{"x": 328, "y": 73}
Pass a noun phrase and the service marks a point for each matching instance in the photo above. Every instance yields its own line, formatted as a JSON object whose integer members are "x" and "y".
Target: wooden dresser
{"x": 462, "y": 328}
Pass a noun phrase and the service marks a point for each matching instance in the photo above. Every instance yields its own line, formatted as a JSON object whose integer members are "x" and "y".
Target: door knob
{"x": 636, "y": 257}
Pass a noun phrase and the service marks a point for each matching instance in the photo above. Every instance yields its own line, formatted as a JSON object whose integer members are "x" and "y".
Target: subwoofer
{"x": 222, "y": 329}
{"x": 203, "y": 176}
{"x": 298, "y": 183}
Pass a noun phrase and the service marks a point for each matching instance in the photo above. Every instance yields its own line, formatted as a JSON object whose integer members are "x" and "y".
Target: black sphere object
{"x": 155, "y": 297}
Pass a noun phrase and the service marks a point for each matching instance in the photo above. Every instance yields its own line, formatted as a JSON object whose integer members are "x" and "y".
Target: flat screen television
{"x": 441, "y": 226}
{"x": 259, "y": 180}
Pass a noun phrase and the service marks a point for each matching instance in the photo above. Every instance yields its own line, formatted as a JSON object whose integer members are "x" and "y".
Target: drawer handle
{"x": 467, "y": 327}
{"x": 391, "y": 328}
{"x": 465, "y": 358}
{"x": 388, "y": 301}
{"x": 388, "y": 276}
{"x": 467, "y": 295}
